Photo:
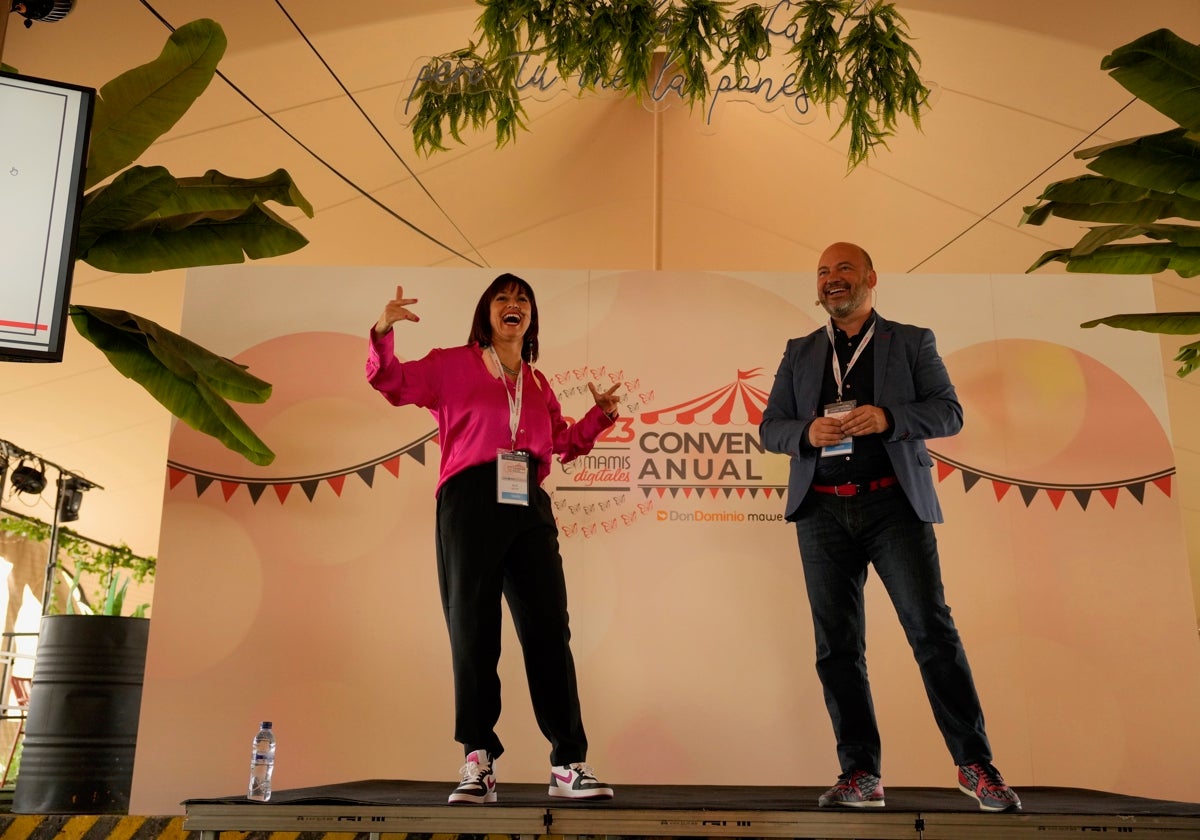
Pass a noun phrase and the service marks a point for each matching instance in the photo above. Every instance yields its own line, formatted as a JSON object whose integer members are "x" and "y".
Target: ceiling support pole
{"x": 656, "y": 197}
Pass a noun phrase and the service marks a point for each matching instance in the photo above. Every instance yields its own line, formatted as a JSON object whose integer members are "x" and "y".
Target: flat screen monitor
{"x": 44, "y": 127}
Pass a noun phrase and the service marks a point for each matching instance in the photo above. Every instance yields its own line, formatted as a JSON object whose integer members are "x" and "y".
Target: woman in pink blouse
{"x": 499, "y": 424}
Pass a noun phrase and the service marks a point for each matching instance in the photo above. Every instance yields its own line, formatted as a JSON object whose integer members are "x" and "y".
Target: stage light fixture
{"x": 48, "y": 11}
{"x": 70, "y": 497}
{"x": 26, "y": 479}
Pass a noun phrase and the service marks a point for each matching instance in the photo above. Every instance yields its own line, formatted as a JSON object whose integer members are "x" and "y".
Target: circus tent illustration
{"x": 737, "y": 404}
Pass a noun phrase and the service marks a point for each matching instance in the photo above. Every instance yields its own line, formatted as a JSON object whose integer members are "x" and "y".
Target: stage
{"x": 376, "y": 807}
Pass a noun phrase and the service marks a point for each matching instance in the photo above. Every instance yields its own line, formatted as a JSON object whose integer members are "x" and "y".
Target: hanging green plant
{"x": 112, "y": 566}
{"x": 852, "y": 53}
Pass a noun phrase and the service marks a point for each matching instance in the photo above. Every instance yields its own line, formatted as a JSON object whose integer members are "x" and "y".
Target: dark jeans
{"x": 840, "y": 537}
{"x": 485, "y": 549}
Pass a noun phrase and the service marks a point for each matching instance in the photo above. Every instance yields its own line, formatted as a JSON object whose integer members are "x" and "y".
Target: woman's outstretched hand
{"x": 396, "y": 310}
{"x": 608, "y": 401}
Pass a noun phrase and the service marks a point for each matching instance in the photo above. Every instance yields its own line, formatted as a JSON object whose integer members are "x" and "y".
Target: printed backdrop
{"x": 305, "y": 592}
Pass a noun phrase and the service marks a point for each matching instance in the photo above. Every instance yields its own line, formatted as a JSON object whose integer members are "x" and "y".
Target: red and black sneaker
{"x": 858, "y": 790}
{"x": 983, "y": 783}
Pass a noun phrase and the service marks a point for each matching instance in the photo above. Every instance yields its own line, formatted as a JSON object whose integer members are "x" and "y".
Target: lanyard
{"x": 514, "y": 405}
{"x": 838, "y": 374}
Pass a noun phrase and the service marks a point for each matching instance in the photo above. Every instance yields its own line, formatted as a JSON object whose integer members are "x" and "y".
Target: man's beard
{"x": 847, "y": 306}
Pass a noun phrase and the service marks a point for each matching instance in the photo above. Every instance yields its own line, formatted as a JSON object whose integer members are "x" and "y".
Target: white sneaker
{"x": 478, "y": 785}
{"x": 577, "y": 781}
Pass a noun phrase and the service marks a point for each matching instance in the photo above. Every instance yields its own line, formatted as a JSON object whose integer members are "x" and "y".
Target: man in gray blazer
{"x": 853, "y": 404}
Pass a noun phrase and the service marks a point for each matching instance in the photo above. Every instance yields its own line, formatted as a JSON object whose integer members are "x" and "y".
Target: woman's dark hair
{"x": 481, "y": 324}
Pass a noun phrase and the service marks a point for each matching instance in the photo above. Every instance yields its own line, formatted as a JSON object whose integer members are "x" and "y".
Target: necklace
{"x": 509, "y": 370}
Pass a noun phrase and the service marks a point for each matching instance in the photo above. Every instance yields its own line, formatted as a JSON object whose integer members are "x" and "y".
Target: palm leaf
{"x": 191, "y": 382}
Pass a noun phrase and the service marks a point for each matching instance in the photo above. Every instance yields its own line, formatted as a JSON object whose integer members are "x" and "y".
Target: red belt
{"x": 854, "y": 489}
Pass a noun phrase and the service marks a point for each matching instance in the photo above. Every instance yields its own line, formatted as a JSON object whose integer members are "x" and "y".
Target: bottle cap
{"x": 266, "y": 724}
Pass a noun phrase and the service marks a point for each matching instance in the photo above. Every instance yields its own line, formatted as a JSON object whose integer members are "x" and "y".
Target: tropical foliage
{"x": 139, "y": 219}
{"x": 846, "y": 52}
{"x": 1140, "y": 184}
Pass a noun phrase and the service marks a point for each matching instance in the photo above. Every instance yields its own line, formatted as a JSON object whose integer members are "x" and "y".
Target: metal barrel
{"x": 81, "y": 730}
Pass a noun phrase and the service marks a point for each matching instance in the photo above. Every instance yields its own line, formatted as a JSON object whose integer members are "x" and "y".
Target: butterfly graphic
{"x": 558, "y": 503}
{"x": 620, "y": 500}
{"x": 609, "y": 525}
{"x": 634, "y": 385}
{"x": 574, "y": 508}
{"x": 616, "y": 377}
{"x": 647, "y": 397}
{"x": 598, "y": 372}
{"x": 645, "y": 507}
{"x": 580, "y": 373}
{"x": 588, "y": 531}
{"x": 569, "y": 530}
{"x": 629, "y": 517}
{"x": 606, "y": 505}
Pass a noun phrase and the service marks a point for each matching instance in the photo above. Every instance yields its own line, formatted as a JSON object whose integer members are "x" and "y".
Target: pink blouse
{"x": 472, "y": 410}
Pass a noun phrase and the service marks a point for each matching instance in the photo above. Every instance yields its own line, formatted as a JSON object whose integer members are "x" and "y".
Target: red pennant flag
{"x": 174, "y": 476}
{"x": 1000, "y": 488}
{"x": 741, "y": 491}
{"x": 1164, "y": 484}
{"x": 392, "y": 465}
{"x": 336, "y": 482}
{"x": 1056, "y": 497}
{"x": 282, "y": 490}
{"x": 1110, "y": 495}
{"x": 943, "y": 469}
{"x": 228, "y": 488}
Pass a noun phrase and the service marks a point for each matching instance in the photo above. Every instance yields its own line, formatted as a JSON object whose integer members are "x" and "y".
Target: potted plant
{"x": 85, "y": 699}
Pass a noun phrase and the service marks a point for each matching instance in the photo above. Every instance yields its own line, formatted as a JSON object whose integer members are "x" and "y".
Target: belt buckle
{"x": 851, "y": 490}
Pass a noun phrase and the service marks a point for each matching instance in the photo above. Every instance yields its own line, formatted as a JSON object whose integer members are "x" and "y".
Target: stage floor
{"x": 402, "y": 807}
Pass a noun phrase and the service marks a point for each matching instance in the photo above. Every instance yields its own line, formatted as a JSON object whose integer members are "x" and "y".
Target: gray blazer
{"x": 911, "y": 382}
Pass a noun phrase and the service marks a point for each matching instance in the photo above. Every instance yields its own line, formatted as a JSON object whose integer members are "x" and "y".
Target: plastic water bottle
{"x": 262, "y": 763}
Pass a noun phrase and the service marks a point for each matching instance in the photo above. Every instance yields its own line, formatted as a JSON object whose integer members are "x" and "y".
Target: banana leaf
{"x": 193, "y": 383}
{"x": 1164, "y": 323}
{"x": 1185, "y": 235}
{"x": 1094, "y": 198}
{"x": 132, "y": 196}
{"x": 216, "y": 191}
{"x": 1134, "y": 258}
{"x": 147, "y": 220}
{"x": 1162, "y": 70}
{"x": 139, "y": 106}
{"x": 1166, "y": 163}
{"x": 214, "y": 238}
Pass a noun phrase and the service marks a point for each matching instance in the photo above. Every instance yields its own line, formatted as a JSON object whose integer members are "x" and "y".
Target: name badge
{"x": 846, "y": 445}
{"x": 512, "y": 477}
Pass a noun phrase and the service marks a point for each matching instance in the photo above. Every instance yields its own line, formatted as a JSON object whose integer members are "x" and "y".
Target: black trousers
{"x": 484, "y": 550}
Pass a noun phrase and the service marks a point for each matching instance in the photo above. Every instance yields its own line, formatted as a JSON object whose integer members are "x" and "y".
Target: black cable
{"x": 371, "y": 122}
{"x": 1024, "y": 186}
{"x": 320, "y": 159}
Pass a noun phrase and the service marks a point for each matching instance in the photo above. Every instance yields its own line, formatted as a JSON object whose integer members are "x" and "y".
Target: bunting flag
{"x": 282, "y": 486}
{"x": 1109, "y": 491}
{"x": 712, "y": 491}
